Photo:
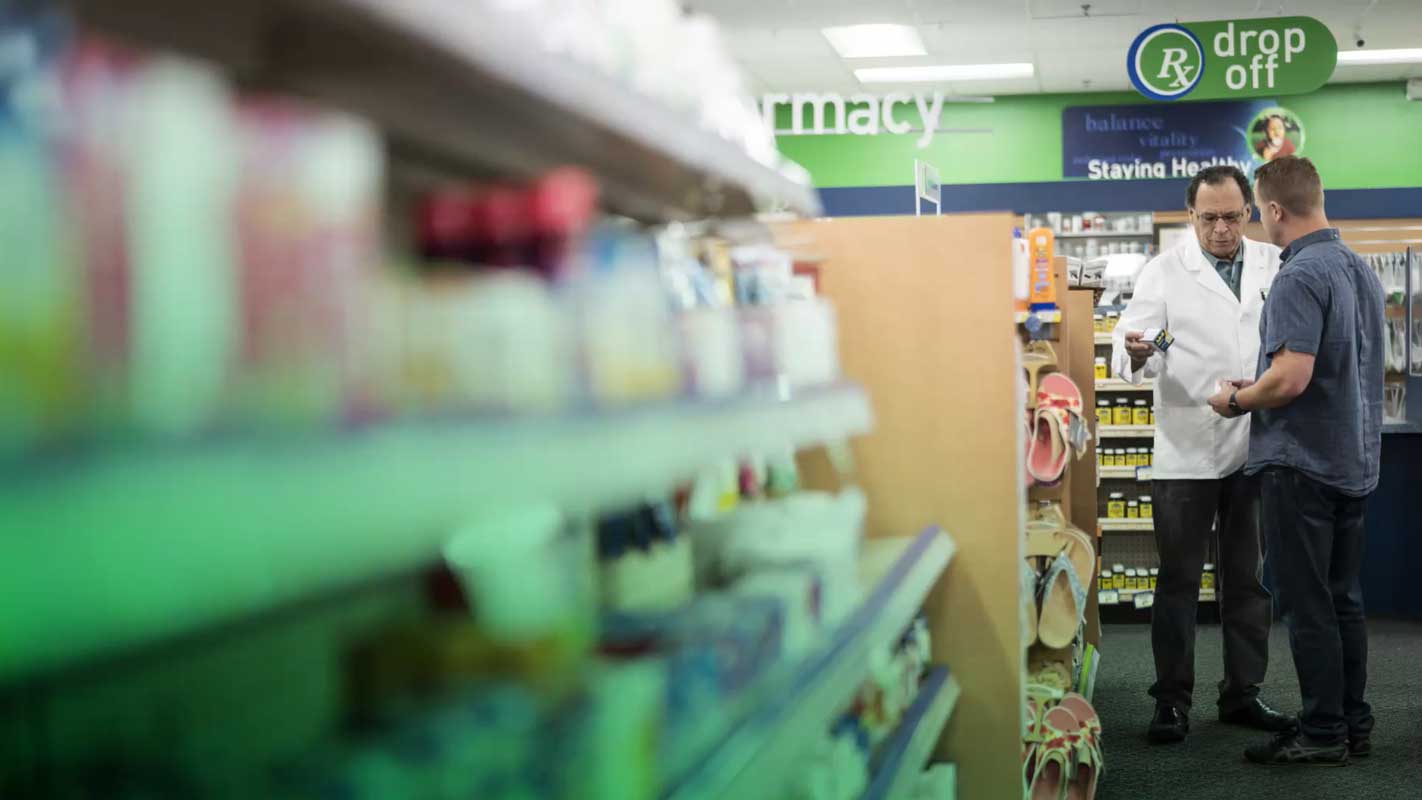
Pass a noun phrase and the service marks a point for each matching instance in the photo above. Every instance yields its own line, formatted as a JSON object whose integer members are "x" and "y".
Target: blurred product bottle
{"x": 97, "y": 79}
{"x": 616, "y": 757}
{"x": 180, "y": 193}
{"x": 308, "y": 218}
{"x": 712, "y": 361}
{"x": 530, "y": 581}
{"x": 536, "y": 227}
{"x": 502, "y": 229}
{"x": 562, "y": 207}
{"x": 788, "y": 333}
{"x": 645, "y": 562}
{"x": 485, "y": 331}
{"x": 629, "y": 351}
{"x": 40, "y": 290}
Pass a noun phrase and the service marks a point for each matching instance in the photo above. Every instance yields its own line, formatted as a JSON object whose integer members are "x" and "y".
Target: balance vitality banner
{"x": 1175, "y": 141}
{"x": 1228, "y": 59}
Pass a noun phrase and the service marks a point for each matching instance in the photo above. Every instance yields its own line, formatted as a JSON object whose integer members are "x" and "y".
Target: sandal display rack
{"x": 1062, "y": 734}
{"x": 1397, "y": 269}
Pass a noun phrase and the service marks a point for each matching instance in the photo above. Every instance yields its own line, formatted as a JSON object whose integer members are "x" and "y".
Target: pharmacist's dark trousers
{"x": 1315, "y": 536}
{"x": 1185, "y": 511}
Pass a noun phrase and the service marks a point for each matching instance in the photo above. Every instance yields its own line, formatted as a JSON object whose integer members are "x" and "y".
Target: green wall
{"x": 1361, "y": 136}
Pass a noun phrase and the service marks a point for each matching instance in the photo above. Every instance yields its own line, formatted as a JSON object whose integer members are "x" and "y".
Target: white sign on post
{"x": 926, "y": 186}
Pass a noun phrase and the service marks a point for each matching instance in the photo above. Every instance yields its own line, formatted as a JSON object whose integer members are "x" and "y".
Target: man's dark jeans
{"x": 1315, "y": 541}
{"x": 1185, "y": 510}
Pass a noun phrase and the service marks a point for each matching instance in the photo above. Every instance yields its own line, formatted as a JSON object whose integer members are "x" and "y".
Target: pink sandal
{"x": 1052, "y": 762}
{"x": 1059, "y": 404}
{"x": 1047, "y": 455}
{"x": 1088, "y": 763}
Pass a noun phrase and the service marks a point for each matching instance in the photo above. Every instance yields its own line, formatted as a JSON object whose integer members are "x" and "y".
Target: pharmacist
{"x": 1206, "y": 295}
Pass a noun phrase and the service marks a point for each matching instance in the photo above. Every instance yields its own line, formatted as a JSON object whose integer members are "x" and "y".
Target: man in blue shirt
{"x": 1315, "y": 441}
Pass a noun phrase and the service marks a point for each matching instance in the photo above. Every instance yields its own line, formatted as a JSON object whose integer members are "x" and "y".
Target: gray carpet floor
{"x": 1209, "y": 766}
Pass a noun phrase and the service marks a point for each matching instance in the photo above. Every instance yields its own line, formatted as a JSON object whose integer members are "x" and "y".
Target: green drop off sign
{"x": 1229, "y": 59}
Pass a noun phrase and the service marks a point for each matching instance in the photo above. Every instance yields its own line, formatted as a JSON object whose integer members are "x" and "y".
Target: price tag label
{"x": 1144, "y": 599}
{"x": 1108, "y": 597}
{"x": 1142, "y": 473}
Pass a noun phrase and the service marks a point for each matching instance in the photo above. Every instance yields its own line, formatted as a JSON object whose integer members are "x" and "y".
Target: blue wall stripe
{"x": 1142, "y": 195}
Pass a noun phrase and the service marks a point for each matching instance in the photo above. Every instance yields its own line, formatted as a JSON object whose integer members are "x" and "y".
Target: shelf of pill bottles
{"x": 762, "y": 751}
{"x": 1118, "y": 385}
{"x": 1102, "y": 338}
{"x": 1106, "y": 235}
{"x": 1109, "y": 524}
{"x": 1125, "y": 431}
{"x": 122, "y": 547}
{"x": 901, "y": 760}
{"x": 471, "y": 91}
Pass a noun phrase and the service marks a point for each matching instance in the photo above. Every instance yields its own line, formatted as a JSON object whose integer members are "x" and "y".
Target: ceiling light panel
{"x": 875, "y": 41}
{"x": 1409, "y": 56}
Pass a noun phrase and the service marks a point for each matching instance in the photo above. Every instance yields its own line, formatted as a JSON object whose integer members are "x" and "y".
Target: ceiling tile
{"x": 799, "y": 76}
{"x": 779, "y": 44}
{"x": 1064, "y": 70}
{"x": 1048, "y": 9}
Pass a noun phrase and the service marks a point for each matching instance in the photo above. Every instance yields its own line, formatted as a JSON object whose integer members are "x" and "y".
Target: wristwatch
{"x": 1234, "y": 403}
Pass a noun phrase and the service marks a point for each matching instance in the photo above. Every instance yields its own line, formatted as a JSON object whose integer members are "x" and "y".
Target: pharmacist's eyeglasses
{"x": 1231, "y": 219}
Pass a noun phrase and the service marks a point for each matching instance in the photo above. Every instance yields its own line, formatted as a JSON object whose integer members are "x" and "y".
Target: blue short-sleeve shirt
{"x": 1328, "y": 303}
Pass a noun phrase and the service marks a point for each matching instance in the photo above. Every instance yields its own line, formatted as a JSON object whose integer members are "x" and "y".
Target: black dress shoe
{"x": 1255, "y": 714}
{"x": 1170, "y": 724}
{"x": 1360, "y": 746}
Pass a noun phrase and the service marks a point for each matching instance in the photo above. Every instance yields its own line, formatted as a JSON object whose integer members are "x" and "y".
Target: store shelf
{"x": 466, "y": 94}
{"x": 1104, "y": 235}
{"x": 121, "y": 548}
{"x": 1122, "y": 473}
{"x": 1118, "y": 385}
{"x": 1102, "y": 338}
{"x": 901, "y": 759}
{"x": 1401, "y": 427}
{"x": 1042, "y": 316}
{"x": 763, "y": 751}
{"x": 1125, "y": 431}
{"x": 1124, "y": 525}
{"x": 1123, "y": 597}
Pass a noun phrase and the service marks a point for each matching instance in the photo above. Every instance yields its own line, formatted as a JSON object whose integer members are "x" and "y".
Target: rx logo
{"x": 1165, "y": 62}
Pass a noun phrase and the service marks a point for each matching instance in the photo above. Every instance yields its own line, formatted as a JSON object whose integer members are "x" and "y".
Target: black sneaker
{"x": 1361, "y": 747}
{"x": 1290, "y": 748}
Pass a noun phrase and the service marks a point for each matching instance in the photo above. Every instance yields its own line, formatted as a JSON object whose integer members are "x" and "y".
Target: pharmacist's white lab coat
{"x": 1216, "y": 337}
